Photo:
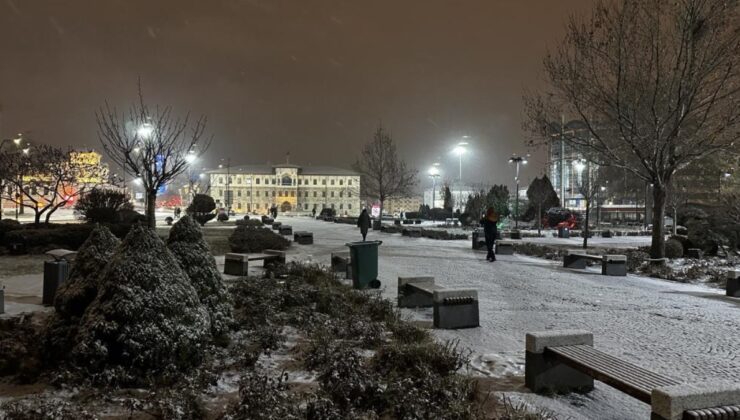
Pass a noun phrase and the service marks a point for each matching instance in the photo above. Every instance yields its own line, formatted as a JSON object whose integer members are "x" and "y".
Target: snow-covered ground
{"x": 690, "y": 332}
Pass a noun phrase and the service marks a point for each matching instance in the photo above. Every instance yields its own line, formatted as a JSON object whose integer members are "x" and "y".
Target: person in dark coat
{"x": 489, "y": 228}
{"x": 363, "y": 222}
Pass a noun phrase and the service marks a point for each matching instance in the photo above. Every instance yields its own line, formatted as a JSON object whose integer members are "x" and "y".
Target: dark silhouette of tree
{"x": 656, "y": 84}
{"x": 101, "y": 206}
{"x": 201, "y": 208}
{"x": 448, "y": 201}
{"x": 384, "y": 175}
{"x": 541, "y": 197}
{"x": 151, "y": 143}
{"x": 498, "y": 198}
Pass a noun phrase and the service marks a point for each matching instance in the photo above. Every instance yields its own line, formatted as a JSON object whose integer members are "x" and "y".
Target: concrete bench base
{"x": 285, "y": 230}
{"x": 340, "y": 263}
{"x": 614, "y": 265}
{"x": 544, "y": 375}
{"x": 303, "y": 238}
{"x": 455, "y": 309}
{"x": 276, "y": 225}
{"x": 733, "y": 283}
{"x": 504, "y": 248}
{"x": 236, "y": 264}
{"x": 673, "y": 402}
{"x": 578, "y": 259}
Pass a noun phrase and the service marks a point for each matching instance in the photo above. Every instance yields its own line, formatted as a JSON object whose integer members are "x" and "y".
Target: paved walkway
{"x": 687, "y": 331}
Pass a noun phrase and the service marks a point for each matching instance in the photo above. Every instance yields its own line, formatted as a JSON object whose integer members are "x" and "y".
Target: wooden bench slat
{"x": 629, "y": 370}
{"x": 609, "y": 362}
{"x": 625, "y": 376}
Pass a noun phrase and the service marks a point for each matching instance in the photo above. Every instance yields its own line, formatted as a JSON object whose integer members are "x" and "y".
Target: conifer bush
{"x": 192, "y": 252}
{"x": 254, "y": 239}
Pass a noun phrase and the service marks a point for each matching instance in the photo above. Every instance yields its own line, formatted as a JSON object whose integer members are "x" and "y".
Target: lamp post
{"x": 460, "y": 150}
{"x": 227, "y": 199}
{"x": 517, "y": 160}
{"x": 434, "y": 174}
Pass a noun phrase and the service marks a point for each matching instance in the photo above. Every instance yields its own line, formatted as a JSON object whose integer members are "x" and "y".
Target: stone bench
{"x": 733, "y": 283}
{"x": 303, "y": 237}
{"x": 611, "y": 265}
{"x": 340, "y": 263}
{"x": 285, "y": 230}
{"x": 452, "y": 308}
{"x": 276, "y": 225}
{"x": 504, "y": 248}
{"x": 237, "y": 264}
{"x": 566, "y": 361}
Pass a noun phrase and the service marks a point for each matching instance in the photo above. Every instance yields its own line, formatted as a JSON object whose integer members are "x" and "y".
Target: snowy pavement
{"x": 689, "y": 332}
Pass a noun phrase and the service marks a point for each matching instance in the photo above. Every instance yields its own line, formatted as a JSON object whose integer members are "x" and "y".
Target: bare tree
{"x": 151, "y": 144}
{"x": 45, "y": 178}
{"x": 384, "y": 175}
{"x": 656, "y": 83}
{"x": 588, "y": 185}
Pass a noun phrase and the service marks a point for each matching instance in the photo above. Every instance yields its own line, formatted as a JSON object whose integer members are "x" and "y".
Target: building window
{"x": 239, "y": 205}
{"x": 238, "y": 193}
{"x": 349, "y": 194}
{"x": 341, "y": 207}
{"x": 332, "y": 205}
{"x": 292, "y": 193}
{"x": 280, "y": 193}
{"x": 323, "y": 193}
{"x": 287, "y": 180}
{"x": 341, "y": 182}
{"x": 314, "y": 193}
{"x": 220, "y": 193}
{"x": 249, "y": 193}
{"x": 306, "y": 194}
{"x": 323, "y": 182}
{"x": 299, "y": 182}
{"x": 305, "y": 206}
{"x": 349, "y": 206}
{"x": 220, "y": 180}
{"x": 314, "y": 182}
{"x": 332, "y": 182}
{"x": 273, "y": 193}
{"x": 332, "y": 194}
{"x": 341, "y": 194}
{"x": 257, "y": 181}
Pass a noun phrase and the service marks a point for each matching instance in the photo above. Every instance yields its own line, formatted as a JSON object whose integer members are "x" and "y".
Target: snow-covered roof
{"x": 270, "y": 170}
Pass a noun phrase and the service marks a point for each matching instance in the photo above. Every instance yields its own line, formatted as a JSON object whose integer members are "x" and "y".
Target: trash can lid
{"x": 364, "y": 243}
{"x": 61, "y": 254}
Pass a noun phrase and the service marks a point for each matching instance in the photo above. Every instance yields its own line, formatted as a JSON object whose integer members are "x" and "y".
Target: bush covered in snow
{"x": 254, "y": 239}
{"x": 250, "y": 222}
{"x": 146, "y": 322}
{"x": 673, "y": 249}
{"x": 192, "y": 252}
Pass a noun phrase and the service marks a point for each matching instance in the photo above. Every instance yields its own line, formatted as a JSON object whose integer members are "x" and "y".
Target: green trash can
{"x": 364, "y": 260}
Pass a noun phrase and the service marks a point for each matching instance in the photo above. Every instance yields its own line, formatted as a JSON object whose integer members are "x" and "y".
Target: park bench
{"x": 412, "y": 232}
{"x": 267, "y": 220}
{"x": 303, "y": 237}
{"x": 285, "y": 230}
{"x": 236, "y": 264}
{"x": 504, "y": 248}
{"x": 276, "y": 225}
{"x": 611, "y": 265}
{"x": 452, "y": 308}
{"x": 566, "y": 361}
{"x": 733, "y": 283}
{"x": 340, "y": 263}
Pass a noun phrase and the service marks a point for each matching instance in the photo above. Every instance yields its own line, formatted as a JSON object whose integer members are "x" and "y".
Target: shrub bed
{"x": 442, "y": 234}
{"x": 256, "y": 239}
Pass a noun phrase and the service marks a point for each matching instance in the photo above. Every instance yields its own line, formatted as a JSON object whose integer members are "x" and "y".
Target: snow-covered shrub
{"x": 430, "y": 396}
{"x": 420, "y": 358}
{"x": 250, "y": 222}
{"x": 346, "y": 378}
{"x": 673, "y": 249}
{"x": 75, "y": 294}
{"x": 146, "y": 322}
{"x": 442, "y": 234}
{"x": 222, "y": 217}
{"x": 168, "y": 220}
{"x": 264, "y": 398}
{"x": 192, "y": 252}
{"x": 252, "y": 239}
{"x": 20, "y": 353}
{"x": 38, "y": 408}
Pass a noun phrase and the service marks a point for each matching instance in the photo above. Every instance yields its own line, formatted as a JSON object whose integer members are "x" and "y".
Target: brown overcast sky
{"x": 312, "y": 77}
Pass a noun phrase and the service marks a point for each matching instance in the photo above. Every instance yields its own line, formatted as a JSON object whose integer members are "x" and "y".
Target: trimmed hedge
{"x": 256, "y": 239}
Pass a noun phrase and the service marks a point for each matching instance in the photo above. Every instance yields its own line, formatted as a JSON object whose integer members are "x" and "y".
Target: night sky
{"x": 312, "y": 78}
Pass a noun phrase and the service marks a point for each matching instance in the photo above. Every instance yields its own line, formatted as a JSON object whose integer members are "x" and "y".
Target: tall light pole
{"x": 434, "y": 174}
{"x": 517, "y": 160}
{"x": 460, "y": 150}
{"x": 227, "y": 199}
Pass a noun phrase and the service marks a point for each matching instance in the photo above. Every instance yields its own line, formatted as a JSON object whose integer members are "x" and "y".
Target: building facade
{"x": 292, "y": 188}
{"x": 398, "y": 205}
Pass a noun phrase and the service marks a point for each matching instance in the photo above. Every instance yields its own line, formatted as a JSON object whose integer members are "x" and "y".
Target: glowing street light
{"x": 518, "y": 160}
{"x": 434, "y": 174}
{"x": 191, "y": 157}
{"x": 145, "y": 130}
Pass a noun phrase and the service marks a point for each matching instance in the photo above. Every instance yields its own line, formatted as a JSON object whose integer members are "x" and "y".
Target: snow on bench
{"x": 565, "y": 361}
{"x": 236, "y": 264}
{"x": 303, "y": 237}
{"x": 611, "y": 265}
{"x": 453, "y": 308}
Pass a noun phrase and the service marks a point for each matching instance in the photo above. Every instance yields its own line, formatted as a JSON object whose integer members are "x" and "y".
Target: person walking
{"x": 490, "y": 229}
{"x": 363, "y": 222}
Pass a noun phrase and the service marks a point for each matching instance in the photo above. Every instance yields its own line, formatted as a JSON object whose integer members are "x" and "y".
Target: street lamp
{"x": 460, "y": 150}
{"x": 523, "y": 161}
{"x": 145, "y": 130}
{"x": 434, "y": 174}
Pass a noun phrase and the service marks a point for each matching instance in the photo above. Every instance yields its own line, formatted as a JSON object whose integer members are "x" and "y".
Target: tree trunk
{"x": 585, "y": 230}
{"x": 657, "y": 247}
{"x": 151, "y": 204}
{"x": 539, "y": 219}
{"x": 37, "y": 218}
{"x": 675, "y": 220}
